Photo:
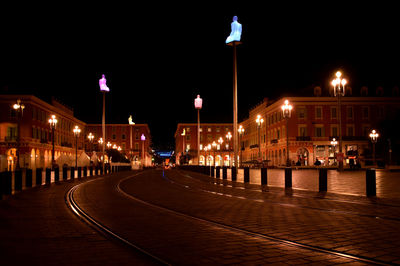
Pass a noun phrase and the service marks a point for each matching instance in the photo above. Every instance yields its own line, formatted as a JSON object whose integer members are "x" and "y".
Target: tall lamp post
{"x": 205, "y": 155}
{"x": 53, "y": 122}
{"x": 183, "y": 142}
{"x": 220, "y": 141}
{"x": 143, "y": 139}
{"x": 259, "y": 122}
{"x": 198, "y": 103}
{"x": 90, "y": 137}
{"x": 234, "y": 40}
{"x": 76, "y": 131}
{"x": 214, "y": 147}
{"x": 374, "y": 138}
{"x": 131, "y": 123}
{"x": 241, "y": 132}
{"x": 287, "y": 112}
{"x": 334, "y": 143}
{"x": 104, "y": 89}
{"x": 339, "y": 91}
{"x": 228, "y": 139}
{"x": 19, "y": 108}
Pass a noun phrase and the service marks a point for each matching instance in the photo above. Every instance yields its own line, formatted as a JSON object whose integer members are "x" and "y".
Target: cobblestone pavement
{"x": 37, "y": 228}
{"x": 189, "y": 218}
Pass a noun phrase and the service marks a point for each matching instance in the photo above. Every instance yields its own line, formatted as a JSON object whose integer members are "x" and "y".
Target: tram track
{"x": 91, "y": 221}
{"x": 85, "y": 216}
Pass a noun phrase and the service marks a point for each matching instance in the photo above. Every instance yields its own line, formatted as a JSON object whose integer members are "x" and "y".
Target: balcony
{"x": 303, "y": 138}
{"x": 10, "y": 138}
{"x": 274, "y": 141}
{"x": 253, "y": 146}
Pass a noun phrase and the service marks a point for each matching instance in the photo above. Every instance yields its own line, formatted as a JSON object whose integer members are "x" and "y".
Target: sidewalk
{"x": 37, "y": 228}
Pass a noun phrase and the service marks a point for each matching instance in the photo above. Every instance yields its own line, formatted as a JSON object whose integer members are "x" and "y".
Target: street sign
{"x": 339, "y": 157}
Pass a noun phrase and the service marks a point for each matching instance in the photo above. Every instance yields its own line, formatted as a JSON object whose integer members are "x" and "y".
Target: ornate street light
{"x": 334, "y": 143}
{"x": 287, "y": 112}
{"x": 214, "y": 147}
{"x": 198, "y": 103}
{"x": 143, "y": 139}
{"x": 131, "y": 123}
{"x": 228, "y": 138}
{"x": 339, "y": 91}
{"x": 220, "y": 141}
{"x": 90, "y": 137}
{"x": 53, "y": 122}
{"x": 259, "y": 122}
{"x": 374, "y": 139}
{"x": 109, "y": 145}
{"x": 76, "y": 131}
{"x": 104, "y": 89}
{"x": 241, "y": 132}
{"x": 19, "y": 108}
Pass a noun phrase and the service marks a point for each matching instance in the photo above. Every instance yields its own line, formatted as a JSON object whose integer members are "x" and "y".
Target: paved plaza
{"x": 181, "y": 217}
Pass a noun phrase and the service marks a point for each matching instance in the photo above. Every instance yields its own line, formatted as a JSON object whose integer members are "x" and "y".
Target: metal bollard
{"x": 72, "y": 173}
{"x": 85, "y": 171}
{"x": 371, "y": 182}
{"x": 65, "y": 173}
{"x": 48, "y": 176}
{"x": 246, "y": 176}
{"x": 101, "y": 170}
{"x": 224, "y": 172}
{"x": 28, "y": 178}
{"x": 6, "y": 181}
{"x": 264, "y": 176}
{"x": 39, "y": 178}
{"x": 288, "y": 177}
{"x": 208, "y": 172}
{"x": 18, "y": 180}
{"x": 217, "y": 172}
{"x": 323, "y": 180}
{"x": 212, "y": 171}
{"x": 56, "y": 174}
{"x": 79, "y": 172}
{"x": 233, "y": 173}
{"x": 91, "y": 171}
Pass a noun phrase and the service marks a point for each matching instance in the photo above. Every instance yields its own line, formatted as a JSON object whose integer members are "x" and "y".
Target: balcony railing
{"x": 274, "y": 141}
{"x": 303, "y": 138}
{"x": 253, "y": 146}
{"x": 10, "y": 138}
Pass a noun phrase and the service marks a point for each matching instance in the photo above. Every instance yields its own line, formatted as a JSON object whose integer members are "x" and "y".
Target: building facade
{"x": 313, "y": 124}
{"x": 127, "y": 138}
{"x": 186, "y": 144}
{"x": 35, "y": 134}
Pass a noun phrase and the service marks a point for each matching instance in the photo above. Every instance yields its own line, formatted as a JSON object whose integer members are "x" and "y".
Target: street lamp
{"x": 131, "y": 123}
{"x": 241, "y": 132}
{"x": 90, "y": 137}
{"x": 183, "y": 142}
{"x": 109, "y": 145}
{"x": 259, "y": 122}
{"x": 334, "y": 143}
{"x": 374, "y": 138}
{"x": 214, "y": 147}
{"x": 339, "y": 91}
{"x": 104, "y": 89}
{"x": 205, "y": 157}
{"x": 19, "y": 108}
{"x": 220, "y": 141}
{"x": 76, "y": 131}
{"x": 198, "y": 103}
{"x": 53, "y": 122}
{"x": 287, "y": 112}
{"x": 143, "y": 139}
{"x": 228, "y": 137}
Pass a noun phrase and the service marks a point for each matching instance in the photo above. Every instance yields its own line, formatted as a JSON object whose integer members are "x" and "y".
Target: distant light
{"x": 198, "y": 102}
{"x": 142, "y": 137}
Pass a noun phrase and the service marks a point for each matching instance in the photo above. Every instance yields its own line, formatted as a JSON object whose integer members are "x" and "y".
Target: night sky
{"x": 158, "y": 57}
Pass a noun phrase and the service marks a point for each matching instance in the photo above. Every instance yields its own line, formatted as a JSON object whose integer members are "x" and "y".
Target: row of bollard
{"x": 6, "y": 181}
{"x": 322, "y": 176}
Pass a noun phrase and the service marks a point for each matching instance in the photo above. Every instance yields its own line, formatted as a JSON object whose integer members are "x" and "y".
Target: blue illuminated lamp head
{"x": 236, "y": 31}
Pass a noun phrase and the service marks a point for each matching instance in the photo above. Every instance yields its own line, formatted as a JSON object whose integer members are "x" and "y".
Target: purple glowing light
{"x": 103, "y": 84}
{"x": 198, "y": 102}
{"x": 142, "y": 137}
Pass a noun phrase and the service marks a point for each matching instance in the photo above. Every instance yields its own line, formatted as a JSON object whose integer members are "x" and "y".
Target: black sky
{"x": 158, "y": 57}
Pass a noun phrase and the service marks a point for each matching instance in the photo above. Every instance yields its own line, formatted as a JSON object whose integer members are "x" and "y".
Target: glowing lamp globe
{"x": 198, "y": 102}
{"x": 103, "y": 84}
{"x": 142, "y": 137}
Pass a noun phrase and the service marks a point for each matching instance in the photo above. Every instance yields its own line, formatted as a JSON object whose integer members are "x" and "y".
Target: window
{"x": 113, "y": 129}
{"x": 333, "y": 112}
{"x": 136, "y": 146}
{"x": 188, "y": 137}
{"x": 12, "y": 133}
{"x": 114, "y": 136}
{"x": 33, "y": 112}
{"x": 278, "y": 134}
{"x": 188, "y": 147}
{"x": 350, "y": 130}
{"x": 349, "y": 112}
{"x": 319, "y": 131}
{"x": 218, "y": 129}
{"x": 123, "y": 136}
{"x": 365, "y": 112}
{"x": 201, "y": 146}
{"x": 209, "y": 137}
{"x": 209, "y": 129}
{"x": 201, "y": 129}
{"x": 123, "y": 146}
{"x": 334, "y": 131}
{"x": 188, "y": 129}
{"x": 380, "y": 112}
{"x": 302, "y": 131}
{"x": 301, "y": 112}
{"x": 318, "y": 112}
